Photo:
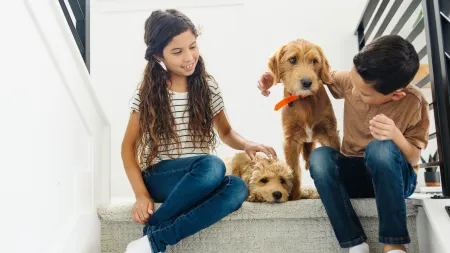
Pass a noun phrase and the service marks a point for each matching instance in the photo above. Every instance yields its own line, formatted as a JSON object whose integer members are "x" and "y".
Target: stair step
{"x": 295, "y": 226}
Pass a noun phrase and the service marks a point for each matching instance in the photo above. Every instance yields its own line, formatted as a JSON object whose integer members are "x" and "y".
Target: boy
{"x": 385, "y": 127}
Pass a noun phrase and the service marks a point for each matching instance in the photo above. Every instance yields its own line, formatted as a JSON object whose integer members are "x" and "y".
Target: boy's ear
{"x": 398, "y": 94}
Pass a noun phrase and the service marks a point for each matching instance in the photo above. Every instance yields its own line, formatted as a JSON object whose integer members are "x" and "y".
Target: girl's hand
{"x": 252, "y": 148}
{"x": 142, "y": 209}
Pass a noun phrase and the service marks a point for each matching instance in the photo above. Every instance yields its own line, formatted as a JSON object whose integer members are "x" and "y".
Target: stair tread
{"x": 302, "y": 209}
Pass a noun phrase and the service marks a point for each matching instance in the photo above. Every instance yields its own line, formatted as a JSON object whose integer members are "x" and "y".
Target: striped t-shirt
{"x": 179, "y": 107}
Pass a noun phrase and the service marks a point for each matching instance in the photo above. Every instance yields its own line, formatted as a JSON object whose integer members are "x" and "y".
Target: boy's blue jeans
{"x": 195, "y": 193}
{"x": 383, "y": 173}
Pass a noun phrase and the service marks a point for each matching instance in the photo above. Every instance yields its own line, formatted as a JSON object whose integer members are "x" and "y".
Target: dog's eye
{"x": 263, "y": 180}
{"x": 282, "y": 180}
{"x": 293, "y": 60}
{"x": 314, "y": 61}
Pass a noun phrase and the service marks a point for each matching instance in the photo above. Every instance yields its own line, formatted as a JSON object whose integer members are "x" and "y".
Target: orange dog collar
{"x": 288, "y": 100}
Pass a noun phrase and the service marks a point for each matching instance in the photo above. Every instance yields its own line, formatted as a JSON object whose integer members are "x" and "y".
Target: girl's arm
{"x": 143, "y": 207}
{"x": 235, "y": 141}
{"x": 128, "y": 157}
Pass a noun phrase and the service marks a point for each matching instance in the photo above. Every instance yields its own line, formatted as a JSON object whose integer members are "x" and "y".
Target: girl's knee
{"x": 211, "y": 169}
{"x": 237, "y": 191}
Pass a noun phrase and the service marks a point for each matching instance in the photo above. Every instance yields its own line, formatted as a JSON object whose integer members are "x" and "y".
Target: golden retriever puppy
{"x": 302, "y": 68}
{"x": 268, "y": 180}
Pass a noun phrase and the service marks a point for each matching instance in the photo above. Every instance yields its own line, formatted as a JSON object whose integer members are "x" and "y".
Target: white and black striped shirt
{"x": 179, "y": 108}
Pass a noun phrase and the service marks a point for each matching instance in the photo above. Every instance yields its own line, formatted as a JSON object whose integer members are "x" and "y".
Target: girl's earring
{"x": 162, "y": 65}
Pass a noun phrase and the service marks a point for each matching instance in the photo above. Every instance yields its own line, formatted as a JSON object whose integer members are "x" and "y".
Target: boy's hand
{"x": 265, "y": 83}
{"x": 142, "y": 209}
{"x": 383, "y": 128}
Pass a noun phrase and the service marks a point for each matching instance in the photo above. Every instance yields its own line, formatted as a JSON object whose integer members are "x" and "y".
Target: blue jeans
{"x": 195, "y": 193}
{"x": 383, "y": 173}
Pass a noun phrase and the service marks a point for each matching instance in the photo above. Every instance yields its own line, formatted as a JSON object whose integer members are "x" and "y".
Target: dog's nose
{"x": 277, "y": 195}
{"x": 306, "y": 82}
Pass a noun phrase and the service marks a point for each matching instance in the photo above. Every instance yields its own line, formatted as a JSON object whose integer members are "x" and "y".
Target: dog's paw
{"x": 254, "y": 198}
{"x": 309, "y": 193}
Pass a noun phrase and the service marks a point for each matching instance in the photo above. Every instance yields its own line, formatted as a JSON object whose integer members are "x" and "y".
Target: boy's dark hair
{"x": 388, "y": 63}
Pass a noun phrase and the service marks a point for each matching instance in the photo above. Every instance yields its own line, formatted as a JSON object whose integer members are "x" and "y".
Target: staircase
{"x": 296, "y": 226}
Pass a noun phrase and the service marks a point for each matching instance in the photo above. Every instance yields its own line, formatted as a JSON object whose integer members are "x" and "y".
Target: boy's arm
{"x": 411, "y": 152}
{"x": 417, "y": 134}
{"x": 340, "y": 83}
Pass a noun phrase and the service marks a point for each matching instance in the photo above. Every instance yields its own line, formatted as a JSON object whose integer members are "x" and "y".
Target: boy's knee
{"x": 380, "y": 154}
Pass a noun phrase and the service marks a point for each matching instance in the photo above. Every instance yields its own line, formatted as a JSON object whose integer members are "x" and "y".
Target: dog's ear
{"x": 274, "y": 64}
{"x": 255, "y": 164}
{"x": 325, "y": 74}
{"x": 247, "y": 176}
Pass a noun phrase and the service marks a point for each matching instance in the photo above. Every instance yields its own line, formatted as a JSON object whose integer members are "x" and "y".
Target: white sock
{"x": 139, "y": 246}
{"x": 361, "y": 248}
{"x": 397, "y": 251}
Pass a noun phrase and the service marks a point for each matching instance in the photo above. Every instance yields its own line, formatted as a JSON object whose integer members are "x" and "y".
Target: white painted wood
{"x": 114, "y": 6}
{"x": 433, "y": 223}
{"x": 437, "y": 224}
{"x": 54, "y": 135}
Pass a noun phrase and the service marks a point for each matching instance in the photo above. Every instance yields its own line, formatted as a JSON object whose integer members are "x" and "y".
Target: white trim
{"x": 114, "y": 6}
{"x": 82, "y": 229}
{"x": 54, "y": 60}
{"x": 63, "y": 237}
{"x": 85, "y": 224}
{"x": 434, "y": 220}
{"x": 61, "y": 21}
{"x": 91, "y": 113}
{"x": 103, "y": 175}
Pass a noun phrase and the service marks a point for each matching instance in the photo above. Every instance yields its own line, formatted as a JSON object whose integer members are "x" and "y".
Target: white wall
{"x": 51, "y": 136}
{"x": 237, "y": 39}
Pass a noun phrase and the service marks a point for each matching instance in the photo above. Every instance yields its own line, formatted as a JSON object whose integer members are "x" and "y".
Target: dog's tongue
{"x": 288, "y": 100}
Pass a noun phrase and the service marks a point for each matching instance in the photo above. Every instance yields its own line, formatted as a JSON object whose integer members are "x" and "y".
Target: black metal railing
{"x": 436, "y": 23}
{"x": 80, "y": 29}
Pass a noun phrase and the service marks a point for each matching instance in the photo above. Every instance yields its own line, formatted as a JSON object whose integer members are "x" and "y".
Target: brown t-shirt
{"x": 410, "y": 115}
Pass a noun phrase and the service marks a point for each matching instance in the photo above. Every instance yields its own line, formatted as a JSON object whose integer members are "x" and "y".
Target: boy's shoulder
{"x": 414, "y": 98}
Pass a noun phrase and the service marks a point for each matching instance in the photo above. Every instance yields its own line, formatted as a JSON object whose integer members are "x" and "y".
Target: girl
{"x": 171, "y": 132}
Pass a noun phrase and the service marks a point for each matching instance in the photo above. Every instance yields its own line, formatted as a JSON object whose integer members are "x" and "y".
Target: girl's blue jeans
{"x": 195, "y": 193}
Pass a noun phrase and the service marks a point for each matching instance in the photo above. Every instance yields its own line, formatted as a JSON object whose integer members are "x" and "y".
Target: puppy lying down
{"x": 268, "y": 180}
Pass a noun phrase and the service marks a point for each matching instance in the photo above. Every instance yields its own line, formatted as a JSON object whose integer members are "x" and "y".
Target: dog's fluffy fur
{"x": 268, "y": 180}
{"x": 309, "y": 120}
